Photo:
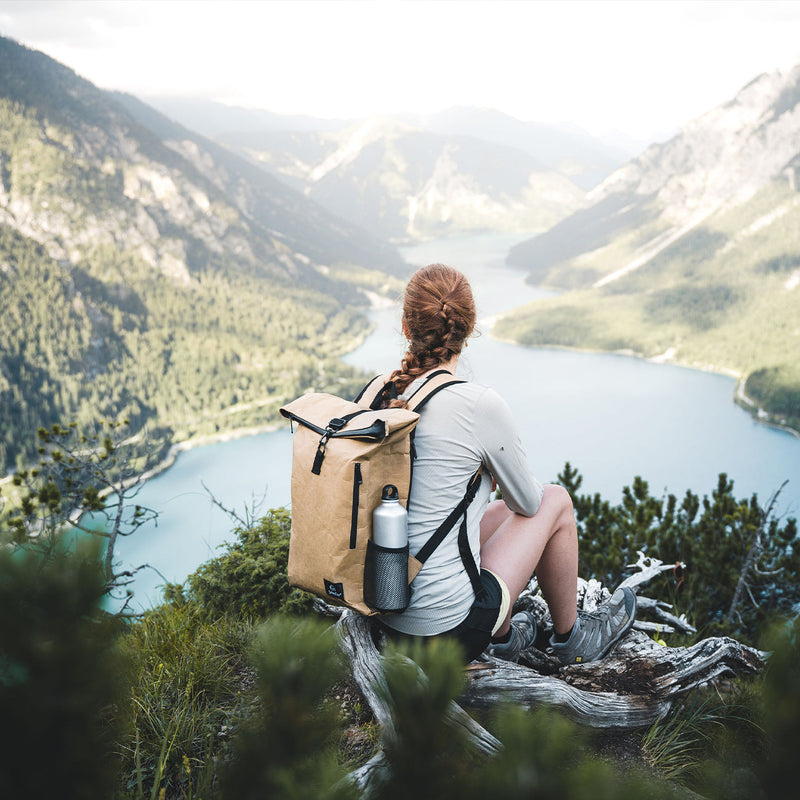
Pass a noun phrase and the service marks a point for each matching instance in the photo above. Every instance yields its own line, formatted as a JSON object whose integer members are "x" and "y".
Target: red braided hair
{"x": 439, "y": 315}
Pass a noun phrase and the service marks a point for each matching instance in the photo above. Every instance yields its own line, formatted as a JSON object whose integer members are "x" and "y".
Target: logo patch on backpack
{"x": 335, "y": 590}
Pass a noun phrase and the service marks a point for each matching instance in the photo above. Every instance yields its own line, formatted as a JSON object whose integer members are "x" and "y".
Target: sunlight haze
{"x": 640, "y": 68}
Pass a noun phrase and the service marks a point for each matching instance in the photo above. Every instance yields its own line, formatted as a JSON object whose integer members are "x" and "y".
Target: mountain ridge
{"x": 550, "y": 143}
{"x": 381, "y": 184}
{"x": 409, "y": 184}
{"x": 350, "y": 239}
{"x": 667, "y": 175}
{"x": 555, "y": 146}
{"x": 690, "y": 250}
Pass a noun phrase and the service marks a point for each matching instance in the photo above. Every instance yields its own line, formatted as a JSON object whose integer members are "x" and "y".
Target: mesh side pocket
{"x": 386, "y": 586}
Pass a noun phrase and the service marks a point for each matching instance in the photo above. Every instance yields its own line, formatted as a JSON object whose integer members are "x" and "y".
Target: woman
{"x": 532, "y": 529}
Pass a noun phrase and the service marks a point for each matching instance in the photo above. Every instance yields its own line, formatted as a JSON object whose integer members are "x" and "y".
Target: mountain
{"x": 212, "y": 119}
{"x": 564, "y": 148}
{"x": 691, "y": 251}
{"x": 407, "y": 183}
{"x": 305, "y": 225}
{"x": 148, "y": 273}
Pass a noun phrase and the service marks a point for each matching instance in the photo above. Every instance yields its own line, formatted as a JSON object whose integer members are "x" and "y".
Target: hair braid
{"x": 439, "y": 315}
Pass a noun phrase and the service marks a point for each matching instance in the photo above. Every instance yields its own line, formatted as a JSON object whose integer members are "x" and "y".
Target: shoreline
{"x": 202, "y": 441}
{"x": 758, "y": 413}
{"x": 184, "y": 446}
{"x": 741, "y": 399}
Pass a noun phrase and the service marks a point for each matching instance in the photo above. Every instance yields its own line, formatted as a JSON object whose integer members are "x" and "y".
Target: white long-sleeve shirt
{"x": 460, "y": 428}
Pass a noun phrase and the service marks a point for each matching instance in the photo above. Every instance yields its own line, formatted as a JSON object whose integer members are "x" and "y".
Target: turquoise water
{"x": 613, "y": 417}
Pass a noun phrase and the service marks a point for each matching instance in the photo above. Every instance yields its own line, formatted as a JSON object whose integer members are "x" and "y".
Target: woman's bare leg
{"x": 514, "y": 547}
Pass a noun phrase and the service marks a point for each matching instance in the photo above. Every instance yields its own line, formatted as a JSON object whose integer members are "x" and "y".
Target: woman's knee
{"x": 558, "y": 500}
{"x": 557, "y": 494}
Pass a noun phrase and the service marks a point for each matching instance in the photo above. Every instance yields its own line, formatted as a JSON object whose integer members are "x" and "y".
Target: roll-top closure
{"x": 313, "y": 412}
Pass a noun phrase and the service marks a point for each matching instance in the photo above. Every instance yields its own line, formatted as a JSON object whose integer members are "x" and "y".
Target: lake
{"x": 613, "y": 417}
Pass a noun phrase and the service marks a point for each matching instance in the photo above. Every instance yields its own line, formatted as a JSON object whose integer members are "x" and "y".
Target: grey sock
{"x": 562, "y": 637}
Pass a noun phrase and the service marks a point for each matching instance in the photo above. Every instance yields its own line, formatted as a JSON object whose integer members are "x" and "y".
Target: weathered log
{"x": 649, "y": 568}
{"x": 357, "y": 642}
{"x": 660, "y": 609}
{"x": 356, "y": 636}
{"x": 653, "y": 627}
{"x": 355, "y": 633}
{"x": 637, "y": 683}
{"x": 368, "y": 776}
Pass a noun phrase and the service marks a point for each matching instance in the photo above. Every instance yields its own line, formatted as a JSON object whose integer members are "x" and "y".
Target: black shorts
{"x": 475, "y": 632}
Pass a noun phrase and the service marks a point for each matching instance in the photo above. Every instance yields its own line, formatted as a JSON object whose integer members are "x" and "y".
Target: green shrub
{"x": 547, "y": 757}
{"x": 712, "y": 536}
{"x": 249, "y": 578}
{"x": 427, "y": 757}
{"x": 60, "y": 677}
{"x": 543, "y": 755}
{"x": 287, "y": 748}
{"x": 781, "y": 710}
{"x": 755, "y": 750}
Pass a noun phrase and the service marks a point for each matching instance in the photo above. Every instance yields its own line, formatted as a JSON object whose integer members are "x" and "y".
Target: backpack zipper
{"x": 357, "y": 481}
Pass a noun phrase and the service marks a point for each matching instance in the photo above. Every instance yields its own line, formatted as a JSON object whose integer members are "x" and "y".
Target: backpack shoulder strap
{"x": 369, "y": 394}
{"x": 464, "y": 549}
{"x": 434, "y": 383}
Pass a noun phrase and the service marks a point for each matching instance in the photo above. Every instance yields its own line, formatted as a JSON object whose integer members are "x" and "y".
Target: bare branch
{"x": 251, "y": 513}
{"x": 229, "y": 511}
{"x": 80, "y": 475}
{"x": 767, "y": 573}
{"x": 131, "y": 573}
{"x": 753, "y": 554}
{"x": 655, "y": 627}
{"x": 750, "y": 595}
{"x": 649, "y": 568}
{"x": 84, "y": 529}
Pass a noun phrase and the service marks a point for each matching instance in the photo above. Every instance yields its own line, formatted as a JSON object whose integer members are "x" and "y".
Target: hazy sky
{"x": 643, "y": 68}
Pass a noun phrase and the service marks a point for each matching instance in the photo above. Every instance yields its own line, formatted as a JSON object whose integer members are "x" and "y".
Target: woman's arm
{"x": 502, "y": 453}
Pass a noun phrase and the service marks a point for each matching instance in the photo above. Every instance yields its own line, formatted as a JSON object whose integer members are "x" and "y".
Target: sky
{"x": 643, "y": 69}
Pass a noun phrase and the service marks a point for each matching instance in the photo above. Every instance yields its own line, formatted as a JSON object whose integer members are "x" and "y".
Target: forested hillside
{"x": 691, "y": 252}
{"x": 148, "y": 274}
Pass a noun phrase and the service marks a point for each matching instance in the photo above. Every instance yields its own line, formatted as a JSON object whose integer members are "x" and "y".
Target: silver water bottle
{"x": 386, "y": 576}
{"x": 390, "y": 520}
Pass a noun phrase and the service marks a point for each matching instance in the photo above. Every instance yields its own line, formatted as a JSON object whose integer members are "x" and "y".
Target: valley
{"x": 190, "y": 282}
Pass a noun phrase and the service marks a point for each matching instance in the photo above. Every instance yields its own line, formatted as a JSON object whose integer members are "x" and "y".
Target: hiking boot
{"x": 596, "y": 632}
{"x": 523, "y": 634}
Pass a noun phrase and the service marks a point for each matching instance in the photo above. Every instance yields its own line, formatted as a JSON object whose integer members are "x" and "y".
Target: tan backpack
{"x": 344, "y": 453}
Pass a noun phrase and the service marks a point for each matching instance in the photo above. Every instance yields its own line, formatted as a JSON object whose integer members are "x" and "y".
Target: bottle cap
{"x": 390, "y": 492}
